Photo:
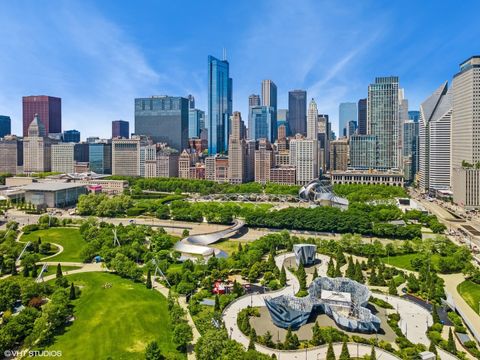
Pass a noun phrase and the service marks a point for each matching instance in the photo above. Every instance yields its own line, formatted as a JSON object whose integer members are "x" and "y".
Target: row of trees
{"x": 366, "y": 193}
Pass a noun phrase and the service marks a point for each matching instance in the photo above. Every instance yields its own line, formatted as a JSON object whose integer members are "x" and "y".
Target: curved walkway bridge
{"x": 198, "y": 244}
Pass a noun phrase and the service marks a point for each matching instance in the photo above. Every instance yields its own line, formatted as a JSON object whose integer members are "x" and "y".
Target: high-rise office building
{"x": 324, "y": 137}
{"x": 100, "y": 157}
{"x": 127, "y": 157}
{"x": 282, "y": 116}
{"x": 312, "y": 120}
{"x": 304, "y": 157}
{"x": 250, "y": 160}
{"x": 37, "y": 146}
{"x": 164, "y": 119}
{"x": 362, "y": 117}
{"x": 219, "y": 105}
{"x": 434, "y": 140}
{"x": 263, "y": 124}
{"x": 11, "y": 161}
{"x": 347, "y": 111}
{"x": 410, "y": 150}
{"x": 237, "y": 151}
{"x": 352, "y": 128}
{"x": 63, "y": 157}
{"x": 269, "y": 96}
{"x": 5, "y": 125}
{"x": 71, "y": 136}
{"x": 466, "y": 134}
{"x": 263, "y": 161}
{"x": 120, "y": 129}
{"x": 383, "y": 120}
{"x": 339, "y": 155}
{"x": 297, "y": 112}
{"x": 49, "y": 110}
{"x": 196, "y": 122}
{"x": 254, "y": 100}
{"x": 363, "y": 152}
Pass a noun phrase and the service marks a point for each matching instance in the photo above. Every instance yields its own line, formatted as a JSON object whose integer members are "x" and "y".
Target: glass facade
{"x": 164, "y": 119}
{"x": 362, "y": 117}
{"x": 196, "y": 122}
{"x": 263, "y": 124}
{"x": 5, "y": 125}
{"x": 346, "y": 112}
{"x": 297, "y": 112}
{"x": 120, "y": 128}
{"x": 219, "y": 105}
{"x": 49, "y": 110}
{"x": 71, "y": 136}
{"x": 100, "y": 158}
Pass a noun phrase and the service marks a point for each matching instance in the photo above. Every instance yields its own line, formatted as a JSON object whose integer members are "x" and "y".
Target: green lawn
{"x": 228, "y": 246}
{"x": 470, "y": 292}
{"x": 69, "y": 238}
{"x": 116, "y": 322}
{"x": 404, "y": 261}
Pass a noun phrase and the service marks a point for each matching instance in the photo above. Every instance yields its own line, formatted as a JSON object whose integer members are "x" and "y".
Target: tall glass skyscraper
{"x": 71, "y": 136}
{"x": 196, "y": 122}
{"x": 346, "y": 112}
{"x": 297, "y": 112}
{"x": 384, "y": 120}
{"x": 362, "y": 117}
{"x": 5, "y": 125}
{"x": 164, "y": 119}
{"x": 263, "y": 123}
{"x": 414, "y": 115}
{"x": 49, "y": 110}
{"x": 100, "y": 157}
{"x": 219, "y": 105}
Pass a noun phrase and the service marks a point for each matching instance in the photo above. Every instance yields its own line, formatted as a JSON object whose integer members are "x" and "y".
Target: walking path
{"x": 95, "y": 267}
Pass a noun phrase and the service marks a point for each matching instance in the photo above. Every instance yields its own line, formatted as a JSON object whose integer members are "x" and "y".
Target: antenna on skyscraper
{"x": 224, "y": 54}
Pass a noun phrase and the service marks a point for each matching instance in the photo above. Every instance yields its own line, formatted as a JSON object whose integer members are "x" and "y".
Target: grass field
{"x": 114, "y": 323}
{"x": 228, "y": 246}
{"x": 69, "y": 238}
{"x": 470, "y": 292}
{"x": 404, "y": 261}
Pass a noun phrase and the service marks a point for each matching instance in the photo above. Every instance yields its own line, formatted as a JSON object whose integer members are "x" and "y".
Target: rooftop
{"x": 50, "y": 186}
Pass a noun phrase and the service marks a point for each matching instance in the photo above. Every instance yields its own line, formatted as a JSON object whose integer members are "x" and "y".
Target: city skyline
{"x": 104, "y": 58}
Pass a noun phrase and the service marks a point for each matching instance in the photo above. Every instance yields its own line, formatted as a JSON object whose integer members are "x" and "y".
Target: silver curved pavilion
{"x": 321, "y": 192}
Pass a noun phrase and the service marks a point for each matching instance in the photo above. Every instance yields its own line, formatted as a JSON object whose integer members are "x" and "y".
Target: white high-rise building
{"x": 237, "y": 151}
{"x": 128, "y": 157}
{"x": 63, "y": 158}
{"x": 312, "y": 121}
{"x": 465, "y": 178}
{"x": 37, "y": 148}
{"x": 304, "y": 156}
{"x": 434, "y": 136}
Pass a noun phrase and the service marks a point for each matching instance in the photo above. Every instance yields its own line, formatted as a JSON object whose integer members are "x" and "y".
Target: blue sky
{"x": 99, "y": 55}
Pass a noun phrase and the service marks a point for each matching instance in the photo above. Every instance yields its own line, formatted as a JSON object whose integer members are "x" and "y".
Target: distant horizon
{"x": 99, "y": 57}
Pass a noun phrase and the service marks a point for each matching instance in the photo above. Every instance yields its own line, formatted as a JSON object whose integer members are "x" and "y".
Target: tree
{"x": 340, "y": 256}
{"x": 315, "y": 273}
{"x": 253, "y": 338}
{"x": 350, "y": 273}
{"x": 149, "y": 279}
{"x": 34, "y": 272}
{"x": 60, "y": 281}
{"x": 344, "y": 355}
{"x": 25, "y": 271}
{"x": 435, "y": 316}
{"x": 451, "y": 347}
{"x": 432, "y": 348}
{"x": 392, "y": 289}
{"x": 302, "y": 277}
{"x": 72, "y": 295}
{"x": 152, "y": 352}
{"x": 330, "y": 352}
{"x": 59, "y": 271}
{"x": 358, "y": 273}
{"x": 373, "y": 355}
{"x": 182, "y": 335}
{"x": 338, "y": 271}
{"x": 331, "y": 268}
{"x": 216, "y": 308}
{"x": 283, "y": 277}
{"x": 291, "y": 340}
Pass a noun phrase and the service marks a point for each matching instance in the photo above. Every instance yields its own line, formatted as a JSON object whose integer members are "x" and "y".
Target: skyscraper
{"x": 127, "y": 157}
{"x": 466, "y": 134}
{"x": 191, "y": 102}
{"x": 49, "y": 110}
{"x": 414, "y": 115}
{"x": 383, "y": 119}
{"x": 120, "y": 128}
{"x": 304, "y": 156}
{"x": 269, "y": 96}
{"x": 324, "y": 137}
{"x": 262, "y": 123}
{"x": 196, "y": 122}
{"x": 263, "y": 161}
{"x": 237, "y": 151}
{"x": 11, "y": 161}
{"x": 362, "y": 116}
{"x": 347, "y": 111}
{"x": 164, "y": 119}
{"x": 219, "y": 105}
{"x": 253, "y": 100}
{"x": 37, "y": 148}
{"x": 434, "y": 140}
{"x": 71, "y": 136}
{"x": 62, "y": 157}
{"x": 100, "y": 157}
{"x": 339, "y": 154}
{"x": 297, "y": 109}
{"x": 410, "y": 150}
{"x": 363, "y": 152}
{"x": 312, "y": 121}
{"x": 5, "y": 125}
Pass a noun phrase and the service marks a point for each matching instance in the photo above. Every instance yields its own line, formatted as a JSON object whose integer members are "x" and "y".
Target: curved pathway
{"x": 414, "y": 320}
{"x": 198, "y": 244}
